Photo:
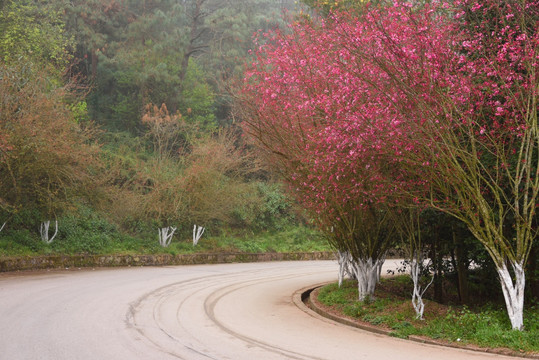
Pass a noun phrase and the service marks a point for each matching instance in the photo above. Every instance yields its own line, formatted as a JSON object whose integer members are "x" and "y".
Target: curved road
{"x": 232, "y": 311}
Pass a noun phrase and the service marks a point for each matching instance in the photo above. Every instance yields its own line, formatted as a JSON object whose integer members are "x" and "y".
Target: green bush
{"x": 276, "y": 210}
{"x": 264, "y": 207}
{"x": 20, "y": 242}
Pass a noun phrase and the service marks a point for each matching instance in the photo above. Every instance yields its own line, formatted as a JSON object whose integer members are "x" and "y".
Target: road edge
{"x": 11, "y": 264}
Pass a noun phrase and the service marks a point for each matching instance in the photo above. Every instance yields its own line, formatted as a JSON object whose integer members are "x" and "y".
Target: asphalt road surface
{"x": 229, "y": 311}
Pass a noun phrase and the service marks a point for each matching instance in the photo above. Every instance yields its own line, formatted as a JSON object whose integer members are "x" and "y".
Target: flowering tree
{"x": 297, "y": 105}
{"x": 435, "y": 103}
{"x": 499, "y": 200}
{"x": 470, "y": 112}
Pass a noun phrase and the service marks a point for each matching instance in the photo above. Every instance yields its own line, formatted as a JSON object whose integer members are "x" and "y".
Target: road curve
{"x": 229, "y": 311}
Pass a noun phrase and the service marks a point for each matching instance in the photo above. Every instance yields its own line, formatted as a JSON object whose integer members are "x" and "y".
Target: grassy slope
{"x": 107, "y": 240}
{"x": 484, "y": 326}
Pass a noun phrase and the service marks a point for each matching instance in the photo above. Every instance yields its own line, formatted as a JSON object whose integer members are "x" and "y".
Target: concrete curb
{"x": 65, "y": 261}
{"x": 306, "y": 300}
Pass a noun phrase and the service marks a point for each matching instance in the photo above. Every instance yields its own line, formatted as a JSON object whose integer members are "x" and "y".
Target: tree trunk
{"x": 379, "y": 265}
{"x": 417, "y": 295}
{"x": 436, "y": 258}
{"x": 196, "y": 18}
{"x": 165, "y": 235}
{"x": 197, "y": 234}
{"x": 533, "y": 274}
{"x": 367, "y": 274}
{"x": 345, "y": 262}
{"x": 94, "y": 60}
{"x": 513, "y": 292}
{"x": 417, "y": 298}
{"x": 44, "y": 231}
{"x": 2, "y": 227}
{"x": 462, "y": 268}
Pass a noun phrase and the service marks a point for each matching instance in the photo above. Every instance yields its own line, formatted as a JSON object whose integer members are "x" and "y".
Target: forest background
{"x": 116, "y": 130}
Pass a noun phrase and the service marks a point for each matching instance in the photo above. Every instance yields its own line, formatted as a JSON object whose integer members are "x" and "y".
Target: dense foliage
{"x": 120, "y": 109}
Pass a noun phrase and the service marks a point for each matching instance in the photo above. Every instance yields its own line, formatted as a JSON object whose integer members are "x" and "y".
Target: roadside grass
{"x": 105, "y": 239}
{"x": 487, "y": 326}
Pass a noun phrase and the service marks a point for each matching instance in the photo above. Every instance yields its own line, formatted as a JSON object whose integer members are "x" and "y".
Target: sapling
{"x": 44, "y": 231}
{"x": 197, "y": 234}
{"x": 410, "y": 231}
{"x": 417, "y": 266}
{"x": 165, "y": 235}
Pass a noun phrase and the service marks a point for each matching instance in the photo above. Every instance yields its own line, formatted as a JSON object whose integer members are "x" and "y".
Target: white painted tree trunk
{"x": 513, "y": 292}
{"x": 197, "y": 234}
{"x": 345, "y": 262}
{"x": 417, "y": 295}
{"x": 379, "y": 265}
{"x": 367, "y": 273}
{"x": 44, "y": 231}
{"x": 2, "y": 228}
{"x": 165, "y": 235}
